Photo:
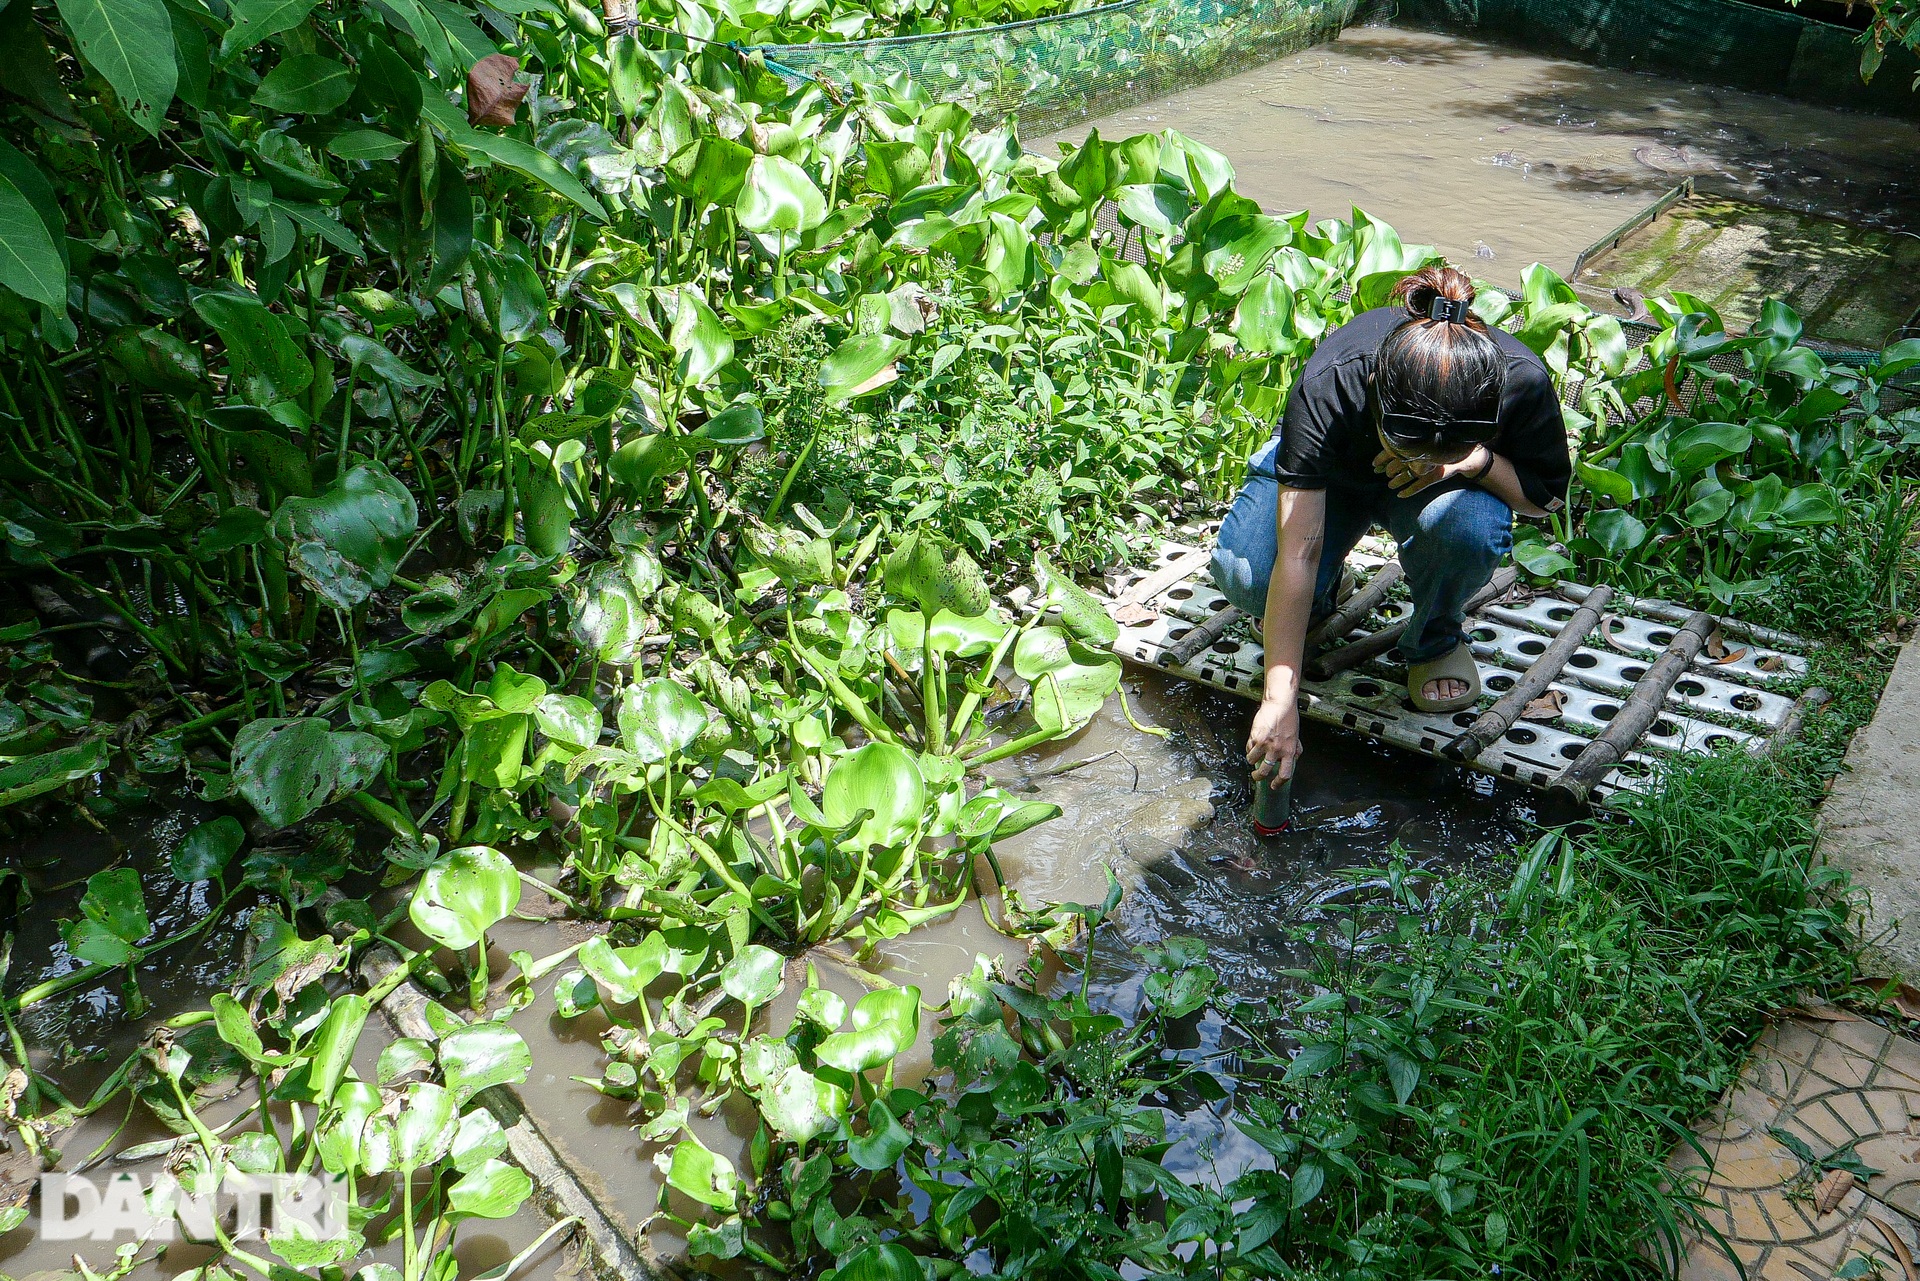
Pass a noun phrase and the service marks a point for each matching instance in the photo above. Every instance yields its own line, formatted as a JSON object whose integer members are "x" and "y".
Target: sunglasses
{"x": 1418, "y": 434}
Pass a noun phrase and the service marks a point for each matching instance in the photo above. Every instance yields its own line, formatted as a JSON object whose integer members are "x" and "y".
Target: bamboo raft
{"x": 1585, "y": 689}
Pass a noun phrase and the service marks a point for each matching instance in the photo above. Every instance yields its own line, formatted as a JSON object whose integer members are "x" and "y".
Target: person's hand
{"x": 1408, "y": 476}
{"x": 1274, "y": 744}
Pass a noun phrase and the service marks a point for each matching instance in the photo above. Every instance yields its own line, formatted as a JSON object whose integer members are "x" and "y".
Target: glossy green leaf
{"x": 481, "y": 1056}
{"x": 883, "y": 781}
{"x": 287, "y": 768}
{"x": 305, "y": 84}
{"x": 268, "y": 365}
{"x": 860, "y": 365}
{"x": 623, "y": 973}
{"x": 703, "y": 1175}
{"x": 801, "y": 1106}
{"x": 701, "y": 344}
{"x": 130, "y": 43}
{"x": 492, "y": 1190}
{"x": 659, "y": 719}
{"x": 367, "y": 144}
{"x": 777, "y": 196}
{"x": 424, "y": 1129}
{"x": 1618, "y": 532}
{"x": 1261, "y": 323}
{"x": 883, "y": 1143}
{"x": 347, "y": 542}
{"x": 734, "y": 426}
{"x": 1815, "y": 504}
{"x": 1084, "y": 617}
{"x": 533, "y": 163}
{"x": 754, "y": 977}
{"x": 885, "y": 1023}
{"x": 205, "y": 851}
{"x": 1705, "y": 444}
{"x": 331, "y": 1051}
{"x": 1606, "y": 483}
{"x": 370, "y": 357}
{"x": 936, "y": 577}
{"x": 255, "y": 20}
{"x": 32, "y": 260}
{"x": 643, "y": 463}
{"x": 465, "y": 893}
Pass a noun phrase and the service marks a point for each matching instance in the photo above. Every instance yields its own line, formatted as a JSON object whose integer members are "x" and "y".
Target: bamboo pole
{"x": 1180, "y": 567}
{"x": 1667, "y": 612}
{"x": 1640, "y": 709}
{"x": 1376, "y": 643}
{"x": 1357, "y": 607}
{"x": 1201, "y": 637}
{"x": 1499, "y": 718}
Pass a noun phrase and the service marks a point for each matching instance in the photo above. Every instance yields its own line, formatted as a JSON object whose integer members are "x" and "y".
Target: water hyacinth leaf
{"x": 609, "y": 617}
{"x": 645, "y": 461}
{"x": 797, "y": 558}
{"x": 151, "y": 357}
{"x": 623, "y": 973}
{"x": 1023, "y": 1090}
{"x": 44, "y": 772}
{"x": 660, "y": 719}
{"x": 822, "y": 1006}
{"x": 883, "y": 1143}
{"x": 368, "y": 356}
{"x": 801, "y": 1106}
{"x": 403, "y": 1057}
{"x": 424, "y": 1129}
{"x": 856, "y": 367}
{"x": 130, "y": 43}
{"x": 286, "y": 768}
{"x": 1605, "y": 482}
{"x": 763, "y": 1060}
{"x": 701, "y": 345}
{"x": 1160, "y": 207}
{"x": 569, "y": 719}
{"x": 463, "y": 895}
{"x": 331, "y": 1052}
{"x": 114, "y": 918}
{"x": 268, "y": 364}
{"x": 885, "y": 1023}
{"x": 1262, "y": 321}
{"x": 881, "y": 1261}
{"x": 882, "y": 781}
{"x": 513, "y": 302}
{"x": 492, "y": 1190}
{"x": 305, "y": 84}
{"x": 1705, "y": 444}
{"x": 479, "y": 1057}
{"x": 754, "y": 976}
{"x": 705, "y": 1176}
{"x": 777, "y": 196}
{"x": 935, "y": 577}
{"x": 478, "y": 1140}
{"x": 734, "y": 426}
{"x": 949, "y": 633}
{"x": 1814, "y": 504}
{"x": 207, "y": 849}
{"x": 1082, "y": 615}
{"x": 353, "y": 534}
{"x": 1618, "y": 532}
{"x": 32, "y": 259}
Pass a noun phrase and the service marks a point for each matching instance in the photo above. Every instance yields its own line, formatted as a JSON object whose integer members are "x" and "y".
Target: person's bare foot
{"x": 1443, "y": 687}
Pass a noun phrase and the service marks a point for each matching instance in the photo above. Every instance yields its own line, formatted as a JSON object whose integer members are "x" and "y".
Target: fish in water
{"x": 1676, "y": 160}
{"x": 1356, "y": 819}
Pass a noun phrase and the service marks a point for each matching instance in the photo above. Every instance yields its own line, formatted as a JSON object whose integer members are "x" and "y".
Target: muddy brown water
{"x": 1501, "y": 158}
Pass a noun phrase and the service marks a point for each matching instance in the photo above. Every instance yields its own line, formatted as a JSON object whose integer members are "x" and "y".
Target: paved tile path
{"x": 1827, "y": 1079}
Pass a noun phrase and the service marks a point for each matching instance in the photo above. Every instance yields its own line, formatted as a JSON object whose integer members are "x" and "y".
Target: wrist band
{"x": 1484, "y": 467}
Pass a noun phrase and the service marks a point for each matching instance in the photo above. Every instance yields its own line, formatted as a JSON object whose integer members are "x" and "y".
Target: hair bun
{"x": 1417, "y": 291}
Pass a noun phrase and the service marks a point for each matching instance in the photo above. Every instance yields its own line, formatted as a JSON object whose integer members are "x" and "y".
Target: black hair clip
{"x": 1452, "y": 310}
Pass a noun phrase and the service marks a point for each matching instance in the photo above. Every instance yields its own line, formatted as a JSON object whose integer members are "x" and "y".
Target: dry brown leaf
{"x": 1733, "y": 657}
{"x": 492, "y": 96}
{"x": 1716, "y": 645}
{"x": 1771, "y": 662}
{"x": 1547, "y": 707}
{"x": 1832, "y": 1190}
{"x": 1612, "y": 638}
{"x": 1132, "y": 615}
{"x": 1821, "y": 1013}
{"x": 1896, "y": 1245}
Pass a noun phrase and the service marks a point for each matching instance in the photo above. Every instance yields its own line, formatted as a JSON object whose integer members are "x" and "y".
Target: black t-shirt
{"x": 1327, "y": 435}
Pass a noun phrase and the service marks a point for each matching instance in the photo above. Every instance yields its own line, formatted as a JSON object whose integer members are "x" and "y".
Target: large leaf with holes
{"x": 348, "y": 541}
{"x": 288, "y": 767}
{"x": 802, "y": 1106}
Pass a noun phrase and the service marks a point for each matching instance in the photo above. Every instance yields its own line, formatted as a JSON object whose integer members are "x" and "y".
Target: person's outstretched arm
{"x": 1274, "y": 744}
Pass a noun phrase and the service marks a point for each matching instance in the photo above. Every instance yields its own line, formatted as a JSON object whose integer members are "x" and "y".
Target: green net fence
{"x": 1726, "y": 42}
{"x": 1054, "y": 71}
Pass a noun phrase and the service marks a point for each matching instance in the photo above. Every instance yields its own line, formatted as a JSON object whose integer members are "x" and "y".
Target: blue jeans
{"x": 1451, "y": 537}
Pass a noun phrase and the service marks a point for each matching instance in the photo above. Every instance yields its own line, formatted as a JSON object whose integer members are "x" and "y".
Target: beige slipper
{"x": 1457, "y": 665}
